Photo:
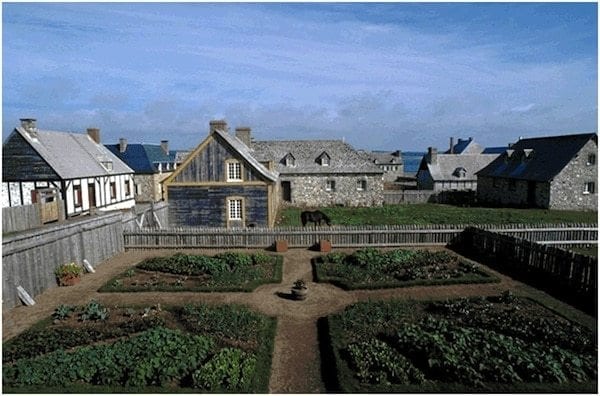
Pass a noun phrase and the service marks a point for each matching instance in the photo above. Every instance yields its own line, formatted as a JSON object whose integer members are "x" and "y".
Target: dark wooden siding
{"x": 209, "y": 164}
{"x": 206, "y": 206}
{"x": 20, "y": 162}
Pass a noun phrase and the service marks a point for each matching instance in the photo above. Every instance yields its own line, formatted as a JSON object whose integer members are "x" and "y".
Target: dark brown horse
{"x": 314, "y": 217}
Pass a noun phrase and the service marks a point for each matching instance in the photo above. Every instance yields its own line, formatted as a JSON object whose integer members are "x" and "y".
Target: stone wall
{"x": 505, "y": 192}
{"x": 312, "y": 190}
{"x": 149, "y": 187}
{"x": 567, "y": 190}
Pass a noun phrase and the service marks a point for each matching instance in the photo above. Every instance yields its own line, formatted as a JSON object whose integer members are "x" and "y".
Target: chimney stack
{"x": 29, "y": 124}
{"x": 432, "y": 155}
{"x": 122, "y": 145}
{"x": 164, "y": 145}
{"x": 218, "y": 124}
{"x": 451, "y": 145}
{"x": 94, "y": 133}
{"x": 244, "y": 134}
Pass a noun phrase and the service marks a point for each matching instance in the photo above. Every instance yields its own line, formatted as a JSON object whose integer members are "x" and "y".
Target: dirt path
{"x": 296, "y": 359}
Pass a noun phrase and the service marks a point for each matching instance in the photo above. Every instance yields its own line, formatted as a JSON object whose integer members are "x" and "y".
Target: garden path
{"x": 296, "y": 357}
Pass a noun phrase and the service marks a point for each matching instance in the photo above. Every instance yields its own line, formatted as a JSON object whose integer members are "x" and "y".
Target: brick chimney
{"x": 29, "y": 124}
{"x": 451, "y": 145}
{"x": 94, "y": 133}
{"x": 122, "y": 145}
{"x": 244, "y": 134}
{"x": 164, "y": 145}
{"x": 432, "y": 155}
{"x": 218, "y": 124}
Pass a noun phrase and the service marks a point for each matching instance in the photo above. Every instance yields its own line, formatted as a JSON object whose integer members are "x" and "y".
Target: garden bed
{"x": 494, "y": 344}
{"x": 375, "y": 269}
{"x": 225, "y": 272}
{"x": 91, "y": 349}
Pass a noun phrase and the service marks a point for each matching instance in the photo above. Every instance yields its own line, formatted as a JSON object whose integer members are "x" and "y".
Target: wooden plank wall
{"x": 147, "y": 211}
{"x": 557, "y": 269}
{"x": 29, "y": 258}
{"x": 26, "y": 217}
{"x": 361, "y": 236}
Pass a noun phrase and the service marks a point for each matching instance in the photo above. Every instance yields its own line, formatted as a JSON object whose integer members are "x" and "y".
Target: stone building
{"x": 314, "y": 173}
{"x": 556, "y": 172}
{"x": 390, "y": 163}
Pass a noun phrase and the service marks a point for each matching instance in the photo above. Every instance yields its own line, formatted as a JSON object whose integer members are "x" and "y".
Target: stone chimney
{"x": 29, "y": 124}
{"x": 451, "y": 145}
{"x": 432, "y": 155}
{"x": 94, "y": 133}
{"x": 244, "y": 134}
{"x": 164, "y": 145}
{"x": 122, "y": 145}
{"x": 218, "y": 124}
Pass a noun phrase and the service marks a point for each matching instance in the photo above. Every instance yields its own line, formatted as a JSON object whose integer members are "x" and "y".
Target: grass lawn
{"x": 438, "y": 214}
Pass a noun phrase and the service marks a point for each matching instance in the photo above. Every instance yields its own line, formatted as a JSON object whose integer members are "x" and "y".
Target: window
{"x": 330, "y": 185}
{"x": 128, "y": 188}
{"x": 361, "y": 185}
{"x": 113, "y": 190}
{"x": 235, "y": 209}
{"x": 589, "y": 188}
{"x": 77, "y": 196}
{"x": 591, "y": 159}
{"x": 108, "y": 165}
{"x": 234, "y": 171}
{"x": 323, "y": 159}
{"x": 289, "y": 160}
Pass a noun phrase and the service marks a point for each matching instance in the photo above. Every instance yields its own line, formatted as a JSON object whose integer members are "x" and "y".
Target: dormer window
{"x": 324, "y": 159}
{"x": 460, "y": 172}
{"x": 289, "y": 160}
{"x": 234, "y": 170}
{"x": 108, "y": 165}
{"x": 591, "y": 160}
{"x": 527, "y": 154}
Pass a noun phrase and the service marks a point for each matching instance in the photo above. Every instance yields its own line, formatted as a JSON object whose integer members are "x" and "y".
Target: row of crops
{"x": 502, "y": 343}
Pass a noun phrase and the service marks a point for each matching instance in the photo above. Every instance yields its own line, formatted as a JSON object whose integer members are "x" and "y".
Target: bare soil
{"x": 296, "y": 357}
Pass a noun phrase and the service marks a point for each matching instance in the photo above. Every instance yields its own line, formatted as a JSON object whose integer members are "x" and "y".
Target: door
{"x": 286, "y": 191}
{"x": 92, "y": 195}
{"x": 531, "y": 193}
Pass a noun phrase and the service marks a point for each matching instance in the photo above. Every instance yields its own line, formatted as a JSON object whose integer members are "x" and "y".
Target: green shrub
{"x": 234, "y": 260}
{"x": 231, "y": 370}
{"x": 93, "y": 311}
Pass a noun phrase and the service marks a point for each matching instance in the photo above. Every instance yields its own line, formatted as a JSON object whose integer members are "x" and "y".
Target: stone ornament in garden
{"x": 68, "y": 274}
{"x": 299, "y": 290}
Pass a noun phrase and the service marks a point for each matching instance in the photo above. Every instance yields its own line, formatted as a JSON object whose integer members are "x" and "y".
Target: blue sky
{"x": 381, "y": 76}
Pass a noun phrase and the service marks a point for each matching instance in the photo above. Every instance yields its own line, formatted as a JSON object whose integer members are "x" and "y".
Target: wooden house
{"x": 221, "y": 184}
{"x": 555, "y": 172}
{"x": 82, "y": 171}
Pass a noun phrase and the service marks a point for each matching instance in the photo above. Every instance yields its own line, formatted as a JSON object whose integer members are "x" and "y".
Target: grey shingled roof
{"x": 446, "y": 164}
{"x": 344, "y": 158}
{"x": 549, "y": 156}
{"x": 247, "y": 154}
{"x": 73, "y": 155}
{"x": 385, "y": 157}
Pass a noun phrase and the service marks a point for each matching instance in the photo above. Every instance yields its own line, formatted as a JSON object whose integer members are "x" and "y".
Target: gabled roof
{"x": 549, "y": 156}
{"x": 343, "y": 158}
{"x": 466, "y": 146}
{"x": 142, "y": 157}
{"x": 386, "y": 157}
{"x": 246, "y": 153}
{"x": 446, "y": 165}
{"x": 73, "y": 155}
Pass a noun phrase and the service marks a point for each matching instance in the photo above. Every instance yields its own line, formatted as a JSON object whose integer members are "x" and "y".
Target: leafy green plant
{"x": 230, "y": 370}
{"x": 130, "y": 272}
{"x": 93, "y": 311}
{"x": 66, "y": 270}
{"x": 63, "y": 312}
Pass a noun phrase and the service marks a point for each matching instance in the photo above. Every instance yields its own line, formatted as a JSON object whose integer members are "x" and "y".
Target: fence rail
{"x": 404, "y": 235}
{"x": 562, "y": 272}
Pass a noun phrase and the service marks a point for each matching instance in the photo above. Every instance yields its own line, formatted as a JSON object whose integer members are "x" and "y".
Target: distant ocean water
{"x": 412, "y": 159}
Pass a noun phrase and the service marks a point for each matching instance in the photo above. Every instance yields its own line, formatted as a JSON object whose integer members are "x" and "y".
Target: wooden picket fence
{"x": 346, "y": 236}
